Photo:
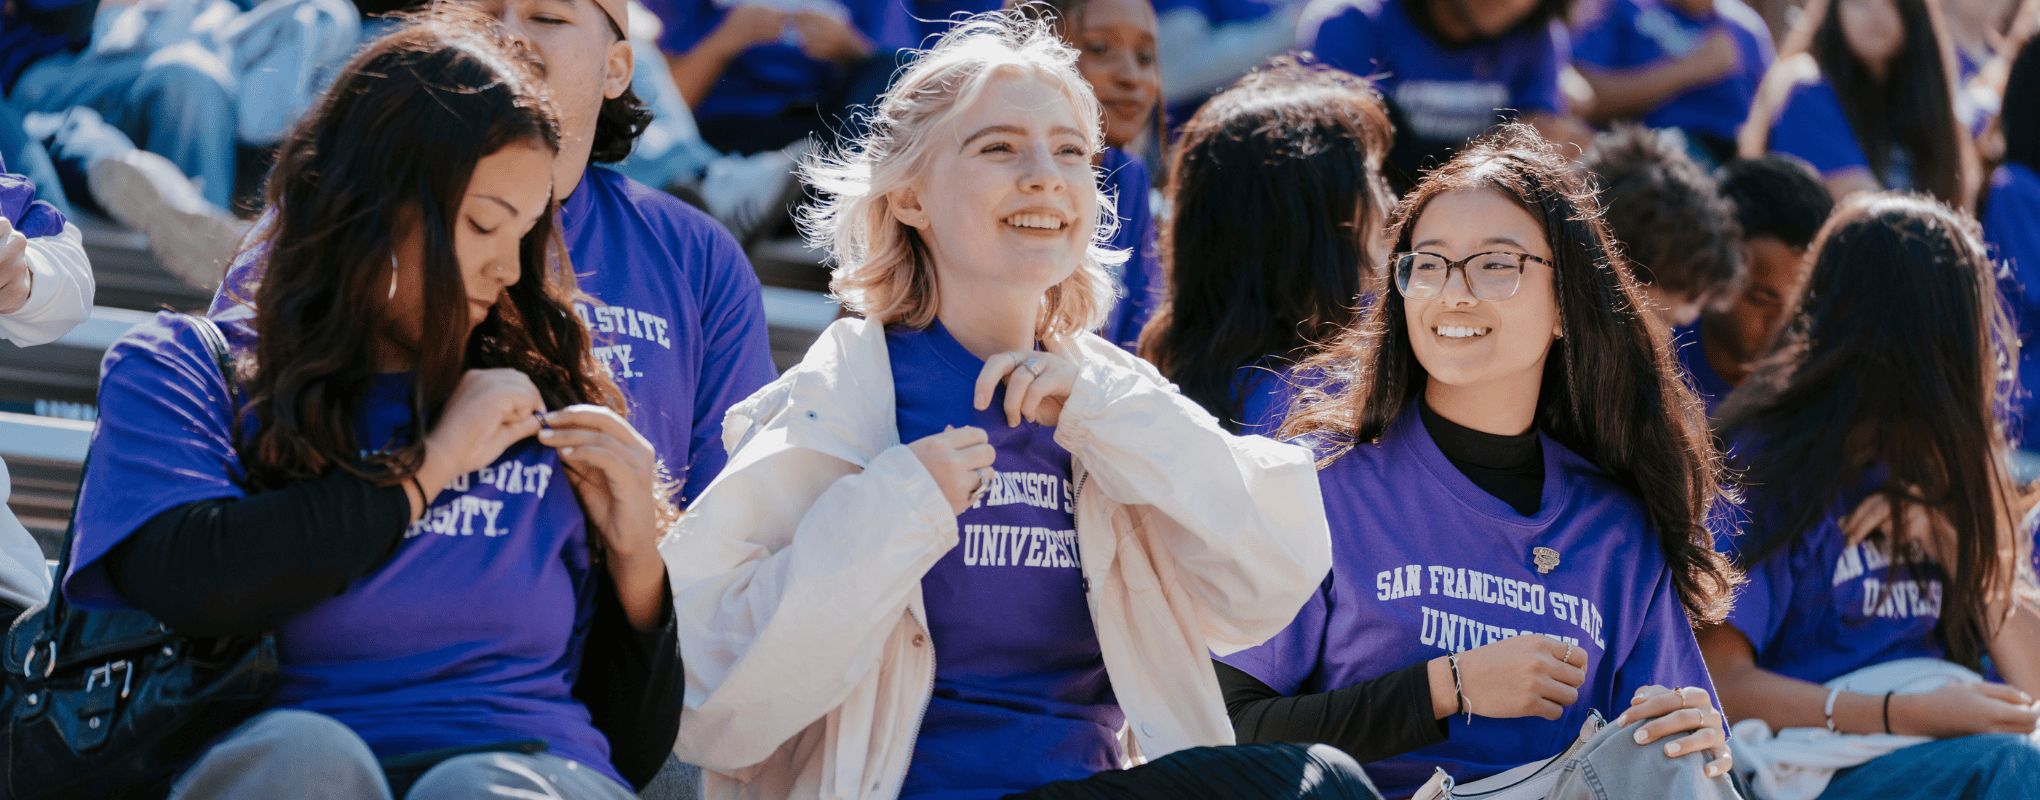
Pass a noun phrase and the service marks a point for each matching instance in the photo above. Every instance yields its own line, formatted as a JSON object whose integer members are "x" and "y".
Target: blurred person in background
{"x": 1450, "y": 69}
{"x": 1276, "y": 233}
{"x": 1779, "y": 205}
{"x": 1693, "y": 65}
{"x": 1864, "y": 90}
{"x": 1677, "y": 232}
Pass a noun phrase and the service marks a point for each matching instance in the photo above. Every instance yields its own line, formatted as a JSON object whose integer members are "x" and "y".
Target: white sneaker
{"x": 191, "y": 238}
{"x": 747, "y": 193}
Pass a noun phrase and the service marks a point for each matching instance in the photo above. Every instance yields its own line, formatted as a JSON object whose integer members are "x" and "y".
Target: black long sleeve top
{"x": 1390, "y": 715}
{"x": 239, "y": 567}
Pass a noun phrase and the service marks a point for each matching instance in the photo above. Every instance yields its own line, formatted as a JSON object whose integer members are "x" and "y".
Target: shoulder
{"x": 1743, "y": 19}
{"x": 1609, "y": 17}
{"x": 676, "y": 223}
{"x": 166, "y": 338}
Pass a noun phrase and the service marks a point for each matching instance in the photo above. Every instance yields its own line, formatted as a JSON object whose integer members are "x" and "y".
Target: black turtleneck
{"x": 1509, "y": 467}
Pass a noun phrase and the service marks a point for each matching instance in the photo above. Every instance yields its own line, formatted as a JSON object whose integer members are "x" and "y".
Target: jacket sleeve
{"x": 1244, "y": 521}
{"x": 789, "y": 573}
{"x": 60, "y": 296}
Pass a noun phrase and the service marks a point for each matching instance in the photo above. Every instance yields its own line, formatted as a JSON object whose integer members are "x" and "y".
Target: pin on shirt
{"x": 1545, "y": 558}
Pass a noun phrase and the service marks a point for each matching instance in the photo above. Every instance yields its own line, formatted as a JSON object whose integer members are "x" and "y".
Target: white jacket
{"x": 797, "y": 573}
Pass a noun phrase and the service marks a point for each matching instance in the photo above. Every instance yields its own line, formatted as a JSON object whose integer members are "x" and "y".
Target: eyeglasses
{"x": 1490, "y": 276}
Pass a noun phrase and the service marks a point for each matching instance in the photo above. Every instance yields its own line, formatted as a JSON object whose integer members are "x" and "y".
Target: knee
{"x": 478, "y": 776}
{"x": 2004, "y": 754}
{"x": 302, "y": 737}
{"x": 1332, "y": 774}
{"x": 188, "y": 76}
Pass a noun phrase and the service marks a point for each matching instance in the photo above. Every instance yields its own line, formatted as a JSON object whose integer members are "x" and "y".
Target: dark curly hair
{"x": 1612, "y": 391}
{"x": 1779, "y": 196}
{"x": 1276, "y": 186}
{"x": 621, "y": 121}
{"x": 1672, "y": 223}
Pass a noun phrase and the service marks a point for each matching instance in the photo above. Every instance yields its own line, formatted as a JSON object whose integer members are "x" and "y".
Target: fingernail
{"x": 1642, "y": 737}
{"x": 1672, "y": 749}
{"x": 566, "y": 451}
{"x": 545, "y": 433}
{"x": 1713, "y": 770}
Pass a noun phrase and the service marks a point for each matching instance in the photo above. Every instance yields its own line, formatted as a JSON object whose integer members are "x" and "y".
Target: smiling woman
{"x": 819, "y": 576}
{"x": 1516, "y": 480}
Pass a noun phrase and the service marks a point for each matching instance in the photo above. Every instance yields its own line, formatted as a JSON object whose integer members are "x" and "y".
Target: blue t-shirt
{"x": 1443, "y": 94}
{"x": 768, "y": 78}
{"x": 934, "y": 17}
{"x": 1812, "y": 126}
{"x": 677, "y": 317}
{"x": 1265, "y": 391}
{"x": 34, "y": 218}
{"x": 1221, "y": 12}
{"x": 1140, "y": 278}
{"x": 1633, "y": 34}
{"x": 1425, "y": 563}
{"x": 1693, "y": 358}
{"x": 2011, "y": 226}
{"x": 469, "y": 634}
{"x": 1021, "y": 696}
{"x": 1822, "y": 608}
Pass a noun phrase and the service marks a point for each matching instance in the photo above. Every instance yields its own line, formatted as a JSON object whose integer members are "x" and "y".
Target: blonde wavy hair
{"x": 881, "y": 267}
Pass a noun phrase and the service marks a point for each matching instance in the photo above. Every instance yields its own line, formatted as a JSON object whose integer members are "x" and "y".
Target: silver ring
{"x": 1567, "y": 658}
{"x": 1033, "y": 366}
{"x": 1681, "y": 692}
{"x": 985, "y": 476}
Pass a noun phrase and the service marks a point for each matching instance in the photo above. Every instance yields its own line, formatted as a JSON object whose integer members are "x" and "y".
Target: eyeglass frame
{"x": 1522, "y": 264}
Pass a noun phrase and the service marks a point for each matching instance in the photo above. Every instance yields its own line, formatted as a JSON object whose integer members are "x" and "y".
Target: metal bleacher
{"x": 48, "y": 392}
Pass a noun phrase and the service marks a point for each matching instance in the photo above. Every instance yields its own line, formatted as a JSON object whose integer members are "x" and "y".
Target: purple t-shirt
{"x": 1221, "y": 12}
{"x": 1444, "y": 94}
{"x": 1821, "y": 608}
{"x": 470, "y": 634}
{"x": 1633, "y": 34}
{"x": 1265, "y": 391}
{"x": 1693, "y": 357}
{"x": 677, "y": 317}
{"x": 2011, "y": 226}
{"x": 1425, "y": 563}
{"x": 766, "y": 79}
{"x": 1812, "y": 126}
{"x": 1126, "y": 176}
{"x": 1021, "y": 696}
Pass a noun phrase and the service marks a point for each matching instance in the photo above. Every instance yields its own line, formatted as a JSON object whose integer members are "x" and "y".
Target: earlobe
{"x": 622, "y": 68}
{"x": 905, "y": 205}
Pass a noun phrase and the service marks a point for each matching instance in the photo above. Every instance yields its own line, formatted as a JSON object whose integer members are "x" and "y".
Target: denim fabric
{"x": 1992, "y": 766}
{"x": 175, "y": 102}
{"x": 1240, "y": 772}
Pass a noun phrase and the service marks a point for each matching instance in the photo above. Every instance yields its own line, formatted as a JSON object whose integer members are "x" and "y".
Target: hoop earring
{"x": 393, "y": 276}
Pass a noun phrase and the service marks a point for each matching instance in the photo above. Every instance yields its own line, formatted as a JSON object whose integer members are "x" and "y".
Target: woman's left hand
{"x": 614, "y": 471}
{"x": 1677, "y": 711}
{"x": 1037, "y": 383}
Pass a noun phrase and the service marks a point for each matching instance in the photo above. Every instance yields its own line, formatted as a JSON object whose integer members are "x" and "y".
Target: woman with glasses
{"x": 1516, "y": 480}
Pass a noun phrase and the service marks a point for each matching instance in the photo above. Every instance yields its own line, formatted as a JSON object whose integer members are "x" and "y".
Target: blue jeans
{"x": 22, "y": 155}
{"x": 172, "y": 102}
{"x": 1991, "y": 766}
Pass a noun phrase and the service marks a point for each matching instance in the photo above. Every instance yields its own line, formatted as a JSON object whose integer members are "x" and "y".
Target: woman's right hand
{"x": 953, "y": 458}
{"x": 1963, "y": 709}
{"x": 491, "y": 409}
{"x": 1531, "y": 675}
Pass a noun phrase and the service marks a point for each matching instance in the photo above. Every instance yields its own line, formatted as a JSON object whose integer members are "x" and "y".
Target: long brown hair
{"x": 1611, "y": 390}
{"x": 1912, "y": 109}
{"x": 1892, "y": 364}
{"x": 392, "y": 144}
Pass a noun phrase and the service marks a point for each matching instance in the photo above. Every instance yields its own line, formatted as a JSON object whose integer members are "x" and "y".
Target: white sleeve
{"x": 61, "y": 295}
{"x": 24, "y": 579}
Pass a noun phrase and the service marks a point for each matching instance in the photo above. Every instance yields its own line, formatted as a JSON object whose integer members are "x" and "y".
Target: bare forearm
{"x": 1624, "y": 94}
{"x": 696, "y": 71}
{"x": 2016, "y": 649}
{"x": 640, "y": 587}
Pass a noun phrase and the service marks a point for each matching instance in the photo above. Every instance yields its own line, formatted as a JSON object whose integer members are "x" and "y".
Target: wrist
{"x": 1444, "y": 696}
{"x": 27, "y": 282}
